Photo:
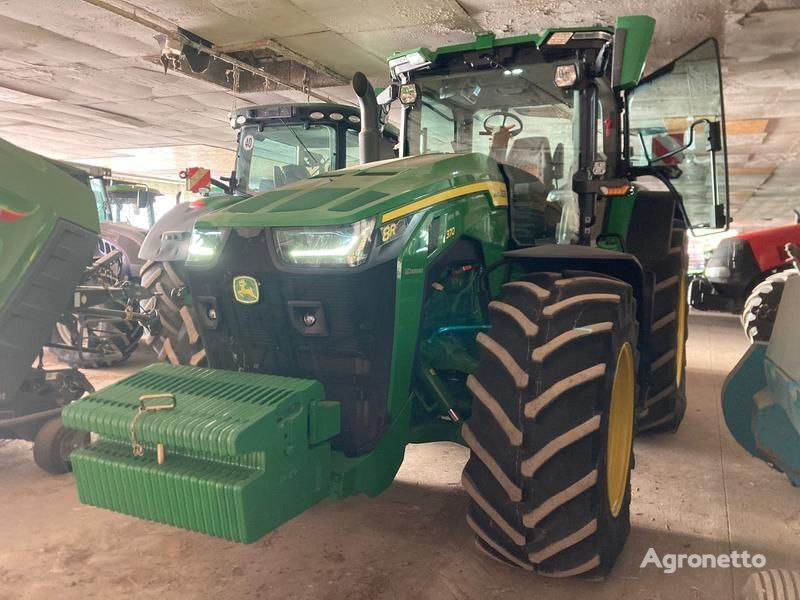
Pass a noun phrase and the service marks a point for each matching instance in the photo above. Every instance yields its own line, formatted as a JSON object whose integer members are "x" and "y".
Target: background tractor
{"x": 761, "y": 307}
{"x": 746, "y": 274}
{"x": 92, "y": 340}
{"x": 278, "y": 145}
{"x": 506, "y": 284}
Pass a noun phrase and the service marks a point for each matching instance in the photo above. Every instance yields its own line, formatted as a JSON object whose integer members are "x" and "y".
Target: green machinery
{"x": 48, "y": 230}
{"x": 505, "y": 284}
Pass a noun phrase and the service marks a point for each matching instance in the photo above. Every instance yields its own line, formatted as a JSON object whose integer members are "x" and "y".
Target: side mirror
{"x": 558, "y": 161}
{"x": 663, "y": 111}
{"x": 714, "y": 139}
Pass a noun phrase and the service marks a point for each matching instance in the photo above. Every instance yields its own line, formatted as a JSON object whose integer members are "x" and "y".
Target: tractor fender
{"x": 169, "y": 238}
{"x": 621, "y": 265}
{"x": 128, "y": 239}
{"x": 767, "y": 245}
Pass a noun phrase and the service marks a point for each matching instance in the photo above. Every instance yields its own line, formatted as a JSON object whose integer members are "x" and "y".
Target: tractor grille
{"x": 348, "y": 349}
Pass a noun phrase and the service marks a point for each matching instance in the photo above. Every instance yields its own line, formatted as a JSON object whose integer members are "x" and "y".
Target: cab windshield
{"x": 515, "y": 115}
{"x": 278, "y": 155}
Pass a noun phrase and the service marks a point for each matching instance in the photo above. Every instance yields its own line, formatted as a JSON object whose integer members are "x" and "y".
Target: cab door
{"x": 676, "y": 132}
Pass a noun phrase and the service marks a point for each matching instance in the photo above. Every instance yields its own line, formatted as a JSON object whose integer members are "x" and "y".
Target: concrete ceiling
{"x": 82, "y": 83}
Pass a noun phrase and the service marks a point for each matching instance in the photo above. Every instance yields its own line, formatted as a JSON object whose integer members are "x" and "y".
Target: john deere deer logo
{"x": 245, "y": 289}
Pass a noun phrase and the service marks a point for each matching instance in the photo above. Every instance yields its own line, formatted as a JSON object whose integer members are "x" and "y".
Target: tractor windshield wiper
{"x": 297, "y": 137}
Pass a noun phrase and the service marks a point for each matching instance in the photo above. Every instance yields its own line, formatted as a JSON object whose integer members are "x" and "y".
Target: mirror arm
{"x": 711, "y": 143}
{"x": 644, "y": 149}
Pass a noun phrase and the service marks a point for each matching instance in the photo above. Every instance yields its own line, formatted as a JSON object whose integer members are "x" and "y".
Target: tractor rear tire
{"x": 551, "y": 431}
{"x": 54, "y": 443}
{"x": 179, "y": 340}
{"x": 665, "y": 358}
{"x": 761, "y": 307}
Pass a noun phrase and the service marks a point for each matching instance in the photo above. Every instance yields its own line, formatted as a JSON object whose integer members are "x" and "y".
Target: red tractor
{"x": 747, "y": 273}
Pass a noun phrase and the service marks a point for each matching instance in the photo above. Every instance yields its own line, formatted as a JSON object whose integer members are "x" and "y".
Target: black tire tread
{"x": 761, "y": 307}
{"x": 664, "y": 401}
{"x": 537, "y": 502}
{"x": 179, "y": 341}
{"x": 772, "y": 584}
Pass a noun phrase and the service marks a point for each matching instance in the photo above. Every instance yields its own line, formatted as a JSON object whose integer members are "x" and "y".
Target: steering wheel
{"x": 313, "y": 160}
{"x": 490, "y": 129}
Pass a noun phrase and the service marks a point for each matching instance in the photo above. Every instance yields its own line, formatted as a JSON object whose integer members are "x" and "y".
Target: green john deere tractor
{"x": 505, "y": 284}
{"x": 278, "y": 144}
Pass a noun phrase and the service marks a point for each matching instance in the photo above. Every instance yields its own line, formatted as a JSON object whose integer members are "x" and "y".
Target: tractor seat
{"x": 294, "y": 173}
{"x": 533, "y": 219}
{"x": 532, "y": 154}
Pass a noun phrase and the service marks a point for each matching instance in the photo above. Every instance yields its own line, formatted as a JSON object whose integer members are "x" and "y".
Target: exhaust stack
{"x": 369, "y": 136}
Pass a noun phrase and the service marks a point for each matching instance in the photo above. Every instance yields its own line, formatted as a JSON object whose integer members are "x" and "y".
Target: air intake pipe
{"x": 369, "y": 137}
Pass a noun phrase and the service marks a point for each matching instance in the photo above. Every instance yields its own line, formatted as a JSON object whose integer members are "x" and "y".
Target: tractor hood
{"x": 389, "y": 189}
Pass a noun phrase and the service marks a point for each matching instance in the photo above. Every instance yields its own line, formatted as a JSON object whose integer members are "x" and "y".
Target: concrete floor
{"x": 694, "y": 492}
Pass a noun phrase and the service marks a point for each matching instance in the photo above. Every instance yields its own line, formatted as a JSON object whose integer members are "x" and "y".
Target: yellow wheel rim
{"x": 680, "y": 344}
{"x": 620, "y": 429}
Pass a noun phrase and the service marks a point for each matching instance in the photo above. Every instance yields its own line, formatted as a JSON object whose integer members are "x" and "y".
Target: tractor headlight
{"x": 328, "y": 246}
{"x": 205, "y": 246}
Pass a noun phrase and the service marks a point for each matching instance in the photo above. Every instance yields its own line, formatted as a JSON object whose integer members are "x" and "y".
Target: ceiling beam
{"x": 279, "y": 48}
{"x": 152, "y": 21}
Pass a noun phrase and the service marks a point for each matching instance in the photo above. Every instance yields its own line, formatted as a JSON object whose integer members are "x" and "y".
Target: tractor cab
{"x": 549, "y": 111}
{"x": 501, "y": 103}
{"x": 282, "y": 144}
{"x": 276, "y": 145}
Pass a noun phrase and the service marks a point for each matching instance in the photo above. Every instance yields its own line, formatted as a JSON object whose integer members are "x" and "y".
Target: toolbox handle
{"x": 144, "y": 406}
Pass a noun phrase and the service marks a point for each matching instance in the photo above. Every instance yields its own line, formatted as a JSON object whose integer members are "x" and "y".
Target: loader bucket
{"x": 229, "y": 454}
{"x": 761, "y": 396}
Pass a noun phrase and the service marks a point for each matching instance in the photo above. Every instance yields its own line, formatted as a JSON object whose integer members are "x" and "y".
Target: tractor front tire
{"x": 179, "y": 340}
{"x": 665, "y": 403}
{"x": 551, "y": 431}
{"x": 761, "y": 307}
